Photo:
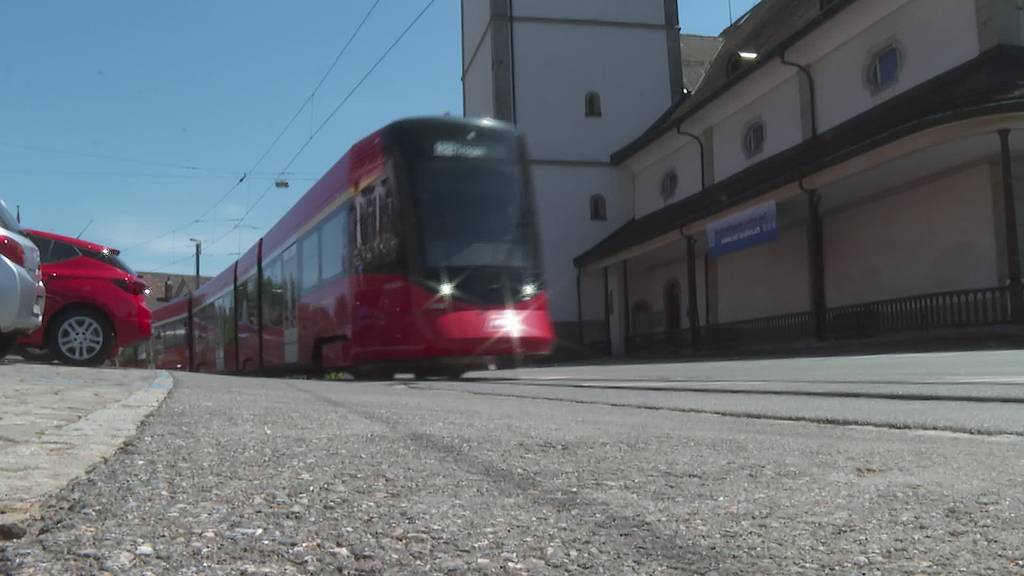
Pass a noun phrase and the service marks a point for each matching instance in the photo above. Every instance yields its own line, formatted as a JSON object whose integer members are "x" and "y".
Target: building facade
{"x": 843, "y": 167}
{"x": 580, "y": 79}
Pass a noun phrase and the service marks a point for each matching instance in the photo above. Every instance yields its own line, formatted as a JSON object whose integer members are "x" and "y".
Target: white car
{"x": 22, "y": 295}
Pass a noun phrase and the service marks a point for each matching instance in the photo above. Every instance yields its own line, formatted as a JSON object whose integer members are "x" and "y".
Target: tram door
{"x": 291, "y": 304}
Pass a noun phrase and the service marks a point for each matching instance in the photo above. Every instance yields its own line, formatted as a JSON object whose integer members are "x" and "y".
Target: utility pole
{"x": 199, "y": 251}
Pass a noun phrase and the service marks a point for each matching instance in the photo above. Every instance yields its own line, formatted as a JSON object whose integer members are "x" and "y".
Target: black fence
{"x": 941, "y": 310}
{"x": 959, "y": 309}
{"x": 786, "y": 327}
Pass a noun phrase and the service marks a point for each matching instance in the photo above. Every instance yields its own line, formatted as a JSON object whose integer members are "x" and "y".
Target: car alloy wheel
{"x": 81, "y": 338}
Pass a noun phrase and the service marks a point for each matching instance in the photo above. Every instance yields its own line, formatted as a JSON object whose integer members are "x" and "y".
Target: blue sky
{"x": 138, "y": 116}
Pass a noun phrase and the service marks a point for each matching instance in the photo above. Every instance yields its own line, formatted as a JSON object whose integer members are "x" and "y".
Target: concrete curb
{"x": 63, "y": 454}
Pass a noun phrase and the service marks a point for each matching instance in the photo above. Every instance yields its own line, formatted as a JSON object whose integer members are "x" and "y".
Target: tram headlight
{"x": 446, "y": 289}
{"x": 529, "y": 290}
{"x": 509, "y": 322}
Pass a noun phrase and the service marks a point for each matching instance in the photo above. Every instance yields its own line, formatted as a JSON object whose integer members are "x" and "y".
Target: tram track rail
{"x": 661, "y": 398}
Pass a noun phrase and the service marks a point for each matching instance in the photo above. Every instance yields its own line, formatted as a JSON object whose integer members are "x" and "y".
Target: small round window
{"x": 753, "y": 139}
{"x": 884, "y": 66}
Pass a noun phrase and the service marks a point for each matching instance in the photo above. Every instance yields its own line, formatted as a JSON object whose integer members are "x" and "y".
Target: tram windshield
{"x": 473, "y": 203}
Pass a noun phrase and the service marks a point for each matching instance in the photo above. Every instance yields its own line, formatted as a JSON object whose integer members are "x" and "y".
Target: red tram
{"x": 417, "y": 251}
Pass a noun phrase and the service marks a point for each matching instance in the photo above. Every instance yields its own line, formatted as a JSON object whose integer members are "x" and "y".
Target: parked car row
{"x": 85, "y": 302}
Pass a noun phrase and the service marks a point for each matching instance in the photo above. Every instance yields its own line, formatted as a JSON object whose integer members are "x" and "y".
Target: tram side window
{"x": 227, "y": 318}
{"x": 169, "y": 337}
{"x": 332, "y": 246}
{"x": 310, "y": 260}
{"x": 273, "y": 294}
{"x": 379, "y": 230}
{"x": 249, "y": 314}
{"x": 366, "y": 204}
{"x": 217, "y": 322}
{"x": 179, "y": 334}
{"x": 203, "y": 325}
{"x": 243, "y": 302}
{"x": 388, "y": 228}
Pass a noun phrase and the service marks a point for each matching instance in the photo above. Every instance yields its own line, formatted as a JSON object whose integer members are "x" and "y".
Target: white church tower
{"x": 581, "y": 79}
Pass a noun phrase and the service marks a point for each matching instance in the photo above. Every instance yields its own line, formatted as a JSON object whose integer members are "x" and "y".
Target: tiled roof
{"x": 698, "y": 52}
{"x": 180, "y": 284}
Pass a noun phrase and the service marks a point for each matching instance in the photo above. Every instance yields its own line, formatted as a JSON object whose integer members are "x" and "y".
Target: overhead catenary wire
{"x": 98, "y": 156}
{"x": 142, "y": 175}
{"x": 330, "y": 116}
{"x": 273, "y": 143}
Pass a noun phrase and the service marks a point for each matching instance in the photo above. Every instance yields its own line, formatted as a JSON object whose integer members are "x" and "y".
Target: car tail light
{"x": 12, "y": 249}
{"x": 132, "y": 286}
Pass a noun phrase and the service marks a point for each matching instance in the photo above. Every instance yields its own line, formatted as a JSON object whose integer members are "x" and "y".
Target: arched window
{"x": 598, "y": 207}
{"x": 669, "y": 184}
{"x": 592, "y": 105}
{"x": 673, "y": 306}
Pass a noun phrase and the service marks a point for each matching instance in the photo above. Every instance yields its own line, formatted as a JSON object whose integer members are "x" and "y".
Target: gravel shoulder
{"x": 246, "y": 476}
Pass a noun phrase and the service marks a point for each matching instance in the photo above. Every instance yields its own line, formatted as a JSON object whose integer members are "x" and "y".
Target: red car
{"x": 95, "y": 303}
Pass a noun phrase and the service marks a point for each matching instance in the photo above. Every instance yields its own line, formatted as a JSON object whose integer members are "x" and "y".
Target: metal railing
{"x": 794, "y": 326}
{"x": 937, "y": 311}
{"x": 957, "y": 309}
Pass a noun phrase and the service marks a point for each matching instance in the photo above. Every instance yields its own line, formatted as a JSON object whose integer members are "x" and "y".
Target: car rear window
{"x": 7, "y": 221}
{"x": 60, "y": 252}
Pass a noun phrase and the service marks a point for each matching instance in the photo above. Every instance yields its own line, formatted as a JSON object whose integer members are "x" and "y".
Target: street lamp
{"x": 199, "y": 251}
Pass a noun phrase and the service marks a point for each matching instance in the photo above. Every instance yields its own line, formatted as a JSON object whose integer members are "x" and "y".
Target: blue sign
{"x": 740, "y": 231}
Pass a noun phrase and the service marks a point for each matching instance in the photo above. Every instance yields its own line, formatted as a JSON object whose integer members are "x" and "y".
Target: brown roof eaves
{"x": 697, "y": 101}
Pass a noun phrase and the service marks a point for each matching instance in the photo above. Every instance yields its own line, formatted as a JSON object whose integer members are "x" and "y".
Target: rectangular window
{"x": 332, "y": 246}
{"x": 366, "y": 206}
{"x": 310, "y": 247}
{"x": 273, "y": 294}
{"x": 243, "y": 302}
{"x": 227, "y": 318}
{"x": 251, "y": 316}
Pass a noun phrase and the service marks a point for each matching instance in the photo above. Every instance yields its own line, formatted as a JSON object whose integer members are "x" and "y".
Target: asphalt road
{"x": 914, "y": 466}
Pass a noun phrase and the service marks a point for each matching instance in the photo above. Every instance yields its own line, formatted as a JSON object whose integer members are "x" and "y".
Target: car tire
{"x": 7, "y": 344}
{"x": 81, "y": 337}
{"x": 39, "y": 355}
